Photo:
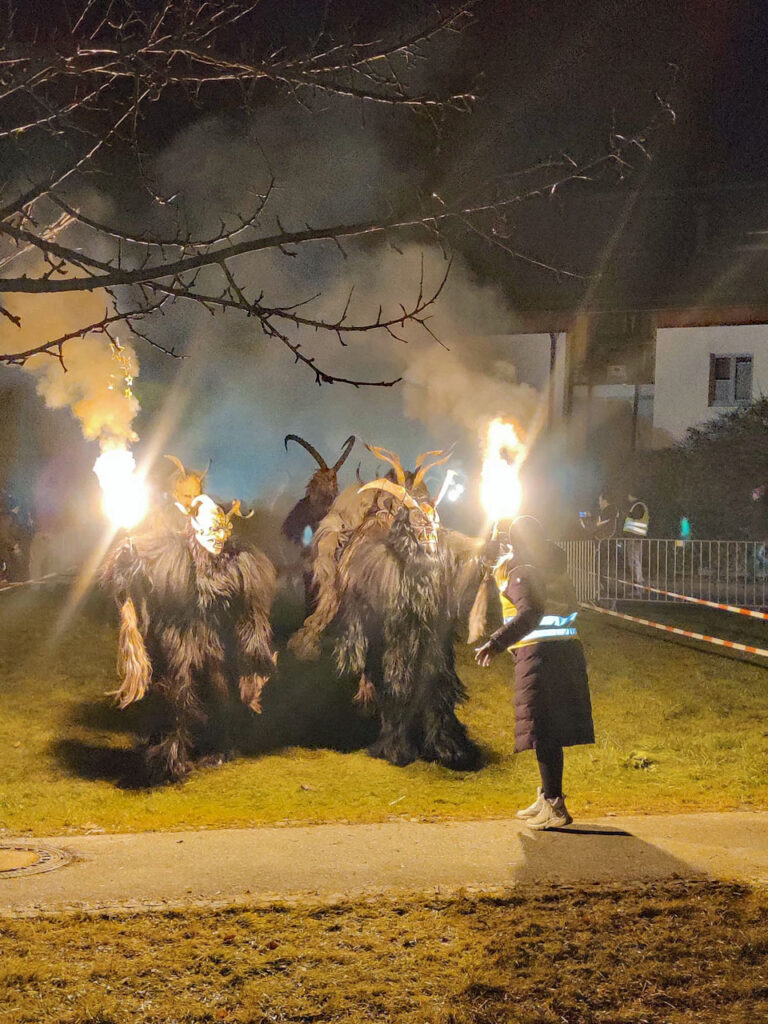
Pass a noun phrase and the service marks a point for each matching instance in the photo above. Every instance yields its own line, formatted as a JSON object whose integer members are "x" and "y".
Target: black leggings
{"x": 550, "y": 758}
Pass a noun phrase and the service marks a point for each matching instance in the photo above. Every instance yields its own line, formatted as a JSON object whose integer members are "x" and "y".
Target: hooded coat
{"x": 552, "y": 702}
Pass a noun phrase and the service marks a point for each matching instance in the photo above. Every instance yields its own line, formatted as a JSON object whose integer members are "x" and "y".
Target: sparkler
{"x": 501, "y": 492}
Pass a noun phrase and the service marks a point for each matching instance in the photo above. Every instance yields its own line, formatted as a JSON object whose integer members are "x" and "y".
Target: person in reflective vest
{"x": 637, "y": 519}
{"x": 635, "y": 525}
{"x": 552, "y": 702}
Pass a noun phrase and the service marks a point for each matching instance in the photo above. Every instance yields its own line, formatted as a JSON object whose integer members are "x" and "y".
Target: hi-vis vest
{"x": 637, "y": 525}
{"x": 550, "y": 627}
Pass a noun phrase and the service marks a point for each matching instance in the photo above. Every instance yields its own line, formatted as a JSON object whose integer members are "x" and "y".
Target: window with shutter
{"x": 730, "y": 380}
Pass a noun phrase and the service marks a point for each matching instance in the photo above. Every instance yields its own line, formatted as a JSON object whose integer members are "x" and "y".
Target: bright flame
{"x": 124, "y": 496}
{"x": 500, "y": 489}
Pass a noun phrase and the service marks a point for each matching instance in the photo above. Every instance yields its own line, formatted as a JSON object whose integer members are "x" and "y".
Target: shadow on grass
{"x": 305, "y": 704}
{"x": 89, "y": 761}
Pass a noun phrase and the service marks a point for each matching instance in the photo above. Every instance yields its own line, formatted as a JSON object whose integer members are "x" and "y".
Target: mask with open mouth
{"x": 211, "y": 524}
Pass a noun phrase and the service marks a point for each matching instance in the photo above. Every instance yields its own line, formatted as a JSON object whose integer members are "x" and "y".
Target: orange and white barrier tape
{"x": 30, "y": 583}
{"x": 698, "y": 600}
{"x": 731, "y": 644}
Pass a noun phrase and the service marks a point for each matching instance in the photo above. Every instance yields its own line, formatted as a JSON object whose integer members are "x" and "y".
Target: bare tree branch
{"x": 85, "y": 97}
{"x": 55, "y": 347}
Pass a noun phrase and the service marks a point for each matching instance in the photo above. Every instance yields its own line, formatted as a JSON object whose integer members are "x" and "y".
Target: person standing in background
{"x": 635, "y": 526}
{"x": 601, "y": 527}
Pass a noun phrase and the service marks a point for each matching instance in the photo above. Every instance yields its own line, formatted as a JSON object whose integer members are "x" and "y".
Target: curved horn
{"x": 382, "y": 484}
{"x": 310, "y": 448}
{"x": 392, "y": 459}
{"x": 235, "y": 510}
{"x": 422, "y": 468}
{"x": 177, "y": 463}
{"x": 357, "y": 474}
{"x": 204, "y": 474}
{"x": 346, "y": 449}
{"x": 420, "y": 458}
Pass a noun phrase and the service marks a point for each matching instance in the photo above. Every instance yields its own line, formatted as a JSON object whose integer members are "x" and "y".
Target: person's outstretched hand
{"x": 484, "y": 655}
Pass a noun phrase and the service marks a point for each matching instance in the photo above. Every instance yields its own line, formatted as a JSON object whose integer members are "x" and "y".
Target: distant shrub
{"x": 709, "y": 477}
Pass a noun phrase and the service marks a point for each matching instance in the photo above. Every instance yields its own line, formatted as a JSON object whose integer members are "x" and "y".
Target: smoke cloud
{"x": 237, "y": 393}
{"x": 91, "y": 383}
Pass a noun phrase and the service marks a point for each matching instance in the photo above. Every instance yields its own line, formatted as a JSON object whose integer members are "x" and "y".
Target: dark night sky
{"x": 552, "y": 76}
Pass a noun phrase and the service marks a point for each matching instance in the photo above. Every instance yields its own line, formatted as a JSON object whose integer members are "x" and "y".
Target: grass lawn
{"x": 669, "y": 953}
{"x": 677, "y": 729}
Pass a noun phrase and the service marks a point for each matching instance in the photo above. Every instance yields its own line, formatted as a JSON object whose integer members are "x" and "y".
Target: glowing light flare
{"x": 124, "y": 495}
{"x": 501, "y": 492}
{"x": 449, "y": 484}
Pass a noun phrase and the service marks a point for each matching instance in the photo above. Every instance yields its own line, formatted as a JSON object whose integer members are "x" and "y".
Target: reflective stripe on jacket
{"x": 637, "y": 519}
{"x": 550, "y": 627}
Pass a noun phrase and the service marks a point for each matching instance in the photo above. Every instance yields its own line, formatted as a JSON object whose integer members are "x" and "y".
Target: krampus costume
{"x": 320, "y": 494}
{"x": 194, "y": 626}
{"x": 391, "y": 593}
{"x": 354, "y": 507}
{"x": 307, "y": 513}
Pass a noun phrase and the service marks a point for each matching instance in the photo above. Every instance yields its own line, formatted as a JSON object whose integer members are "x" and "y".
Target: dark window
{"x": 743, "y": 379}
{"x": 730, "y": 380}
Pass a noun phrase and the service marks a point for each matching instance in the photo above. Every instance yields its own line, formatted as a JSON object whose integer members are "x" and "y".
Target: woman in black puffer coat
{"x": 552, "y": 703}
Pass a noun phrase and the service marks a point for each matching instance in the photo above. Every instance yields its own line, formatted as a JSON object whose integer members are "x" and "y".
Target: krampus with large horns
{"x": 187, "y": 484}
{"x": 194, "y": 627}
{"x": 389, "y": 582}
{"x": 307, "y": 513}
{"x": 320, "y": 494}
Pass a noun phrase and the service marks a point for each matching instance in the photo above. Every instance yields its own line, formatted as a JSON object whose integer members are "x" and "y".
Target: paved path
{"x": 328, "y": 861}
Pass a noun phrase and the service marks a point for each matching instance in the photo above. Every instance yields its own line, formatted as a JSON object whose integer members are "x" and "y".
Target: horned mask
{"x": 211, "y": 524}
{"x": 346, "y": 448}
{"x": 187, "y": 484}
{"x": 422, "y": 514}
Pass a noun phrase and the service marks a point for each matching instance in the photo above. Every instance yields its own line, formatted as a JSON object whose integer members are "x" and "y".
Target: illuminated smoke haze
{"x": 236, "y": 393}
{"x": 90, "y": 380}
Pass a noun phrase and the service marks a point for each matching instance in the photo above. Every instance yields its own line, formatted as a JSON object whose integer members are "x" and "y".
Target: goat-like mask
{"x": 187, "y": 484}
{"x": 211, "y": 524}
{"x": 422, "y": 515}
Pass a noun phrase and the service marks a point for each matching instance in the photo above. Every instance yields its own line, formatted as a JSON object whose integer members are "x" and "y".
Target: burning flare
{"x": 501, "y": 492}
{"x": 124, "y": 497}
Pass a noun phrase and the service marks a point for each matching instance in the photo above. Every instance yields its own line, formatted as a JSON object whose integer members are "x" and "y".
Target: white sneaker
{"x": 554, "y": 814}
{"x": 536, "y": 807}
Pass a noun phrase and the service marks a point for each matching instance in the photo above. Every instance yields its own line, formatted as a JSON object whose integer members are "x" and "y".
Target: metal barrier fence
{"x": 729, "y": 571}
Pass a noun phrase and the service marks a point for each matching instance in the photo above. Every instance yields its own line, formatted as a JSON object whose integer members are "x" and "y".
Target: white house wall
{"x": 682, "y": 372}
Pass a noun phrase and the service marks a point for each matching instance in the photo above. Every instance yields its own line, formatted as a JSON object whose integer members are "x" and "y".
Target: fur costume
{"x": 391, "y": 590}
{"x": 348, "y": 513}
{"x": 307, "y": 513}
{"x": 194, "y": 628}
{"x": 320, "y": 493}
